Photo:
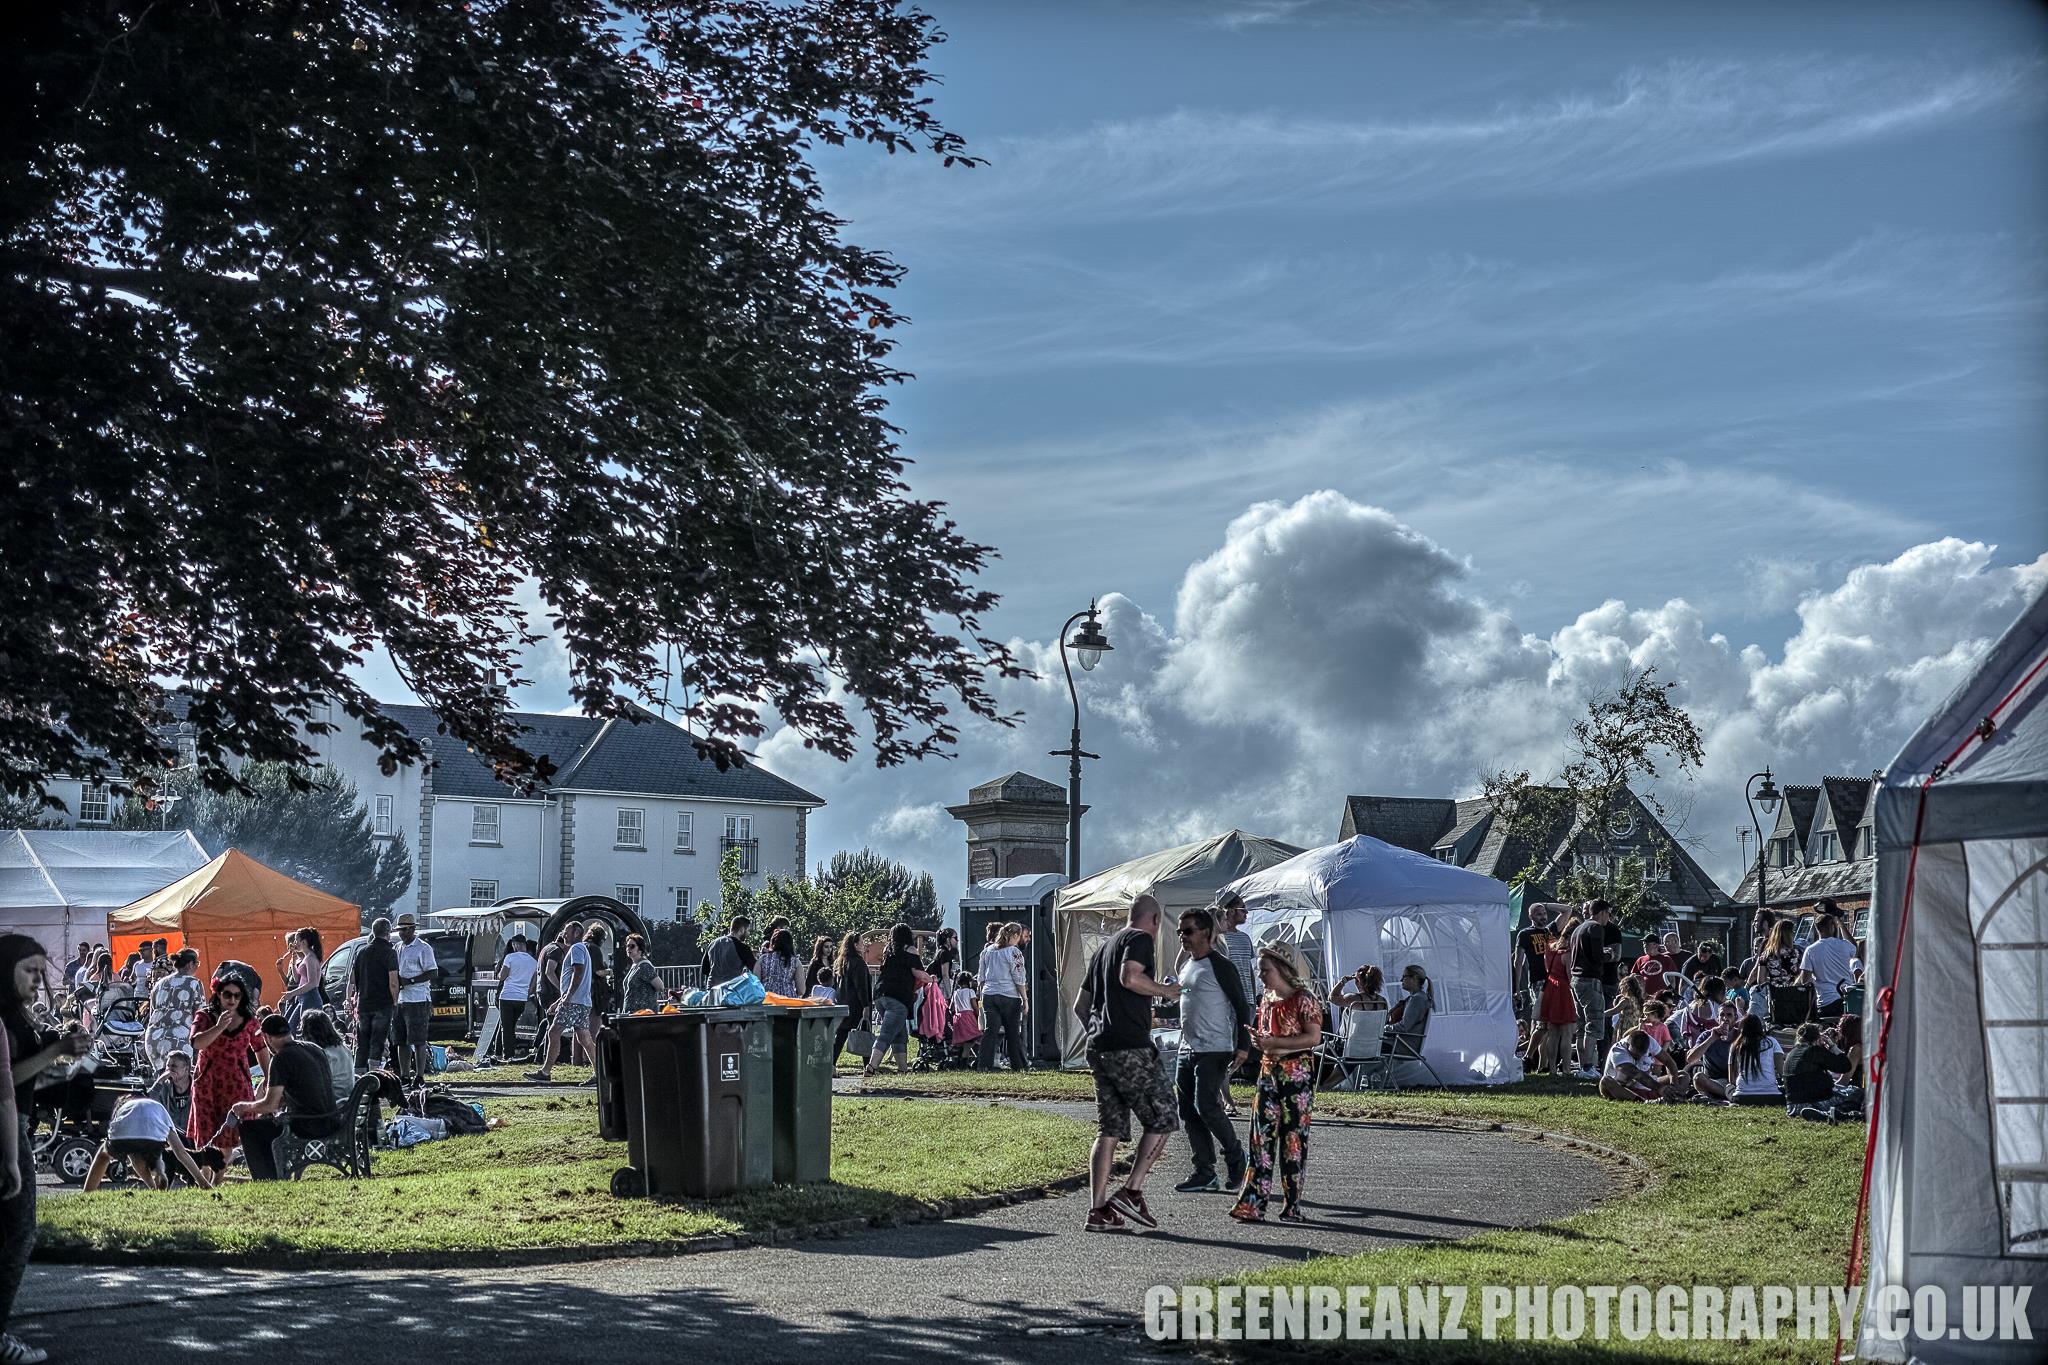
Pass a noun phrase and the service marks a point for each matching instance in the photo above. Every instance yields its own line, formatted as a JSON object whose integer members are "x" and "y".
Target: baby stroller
{"x": 936, "y": 1048}
{"x": 76, "y": 1111}
{"x": 117, "y": 1037}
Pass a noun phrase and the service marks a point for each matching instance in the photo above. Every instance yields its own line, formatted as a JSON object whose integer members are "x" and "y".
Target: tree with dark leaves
{"x": 339, "y": 326}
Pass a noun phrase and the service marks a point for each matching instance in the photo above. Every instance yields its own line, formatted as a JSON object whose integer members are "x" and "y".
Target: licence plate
{"x": 451, "y": 1009}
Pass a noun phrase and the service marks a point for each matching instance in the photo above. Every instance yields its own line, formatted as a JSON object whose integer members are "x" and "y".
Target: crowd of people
{"x": 1776, "y": 1029}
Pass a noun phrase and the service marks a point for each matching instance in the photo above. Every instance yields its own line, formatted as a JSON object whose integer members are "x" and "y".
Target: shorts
{"x": 572, "y": 1017}
{"x": 1132, "y": 1080}
{"x": 1592, "y": 1003}
{"x": 137, "y": 1149}
{"x": 412, "y": 1021}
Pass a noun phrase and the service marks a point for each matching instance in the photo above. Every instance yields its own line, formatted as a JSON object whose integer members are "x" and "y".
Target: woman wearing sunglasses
{"x": 223, "y": 1033}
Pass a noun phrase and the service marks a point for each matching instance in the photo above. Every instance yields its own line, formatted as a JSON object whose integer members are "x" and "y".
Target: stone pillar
{"x": 803, "y": 834}
{"x": 1016, "y": 826}
{"x": 568, "y": 831}
{"x": 423, "y": 855}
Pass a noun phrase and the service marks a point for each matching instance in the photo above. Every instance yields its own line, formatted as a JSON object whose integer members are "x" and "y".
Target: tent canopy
{"x": 234, "y": 907}
{"x": 56, "y": 885}
{"x": 1959, "y": 1189}
{"x": 1365, "y": 902}
{"x": 1185, "y": 877}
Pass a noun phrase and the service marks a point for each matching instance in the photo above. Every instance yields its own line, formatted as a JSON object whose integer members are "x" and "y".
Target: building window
{"x": 95, "y": 806}
{"x": 632, "y": 828}
{"x": 686, "y": 833}
{"x": 628, "y": 896}
{"x": 188, "y": 751}
{"x": 1447, "y": 854}
{"x": 483, "y": 893}
{"x": 1781, "y": 852}
{"x": 380, "y": 817}
{"x": 739, "y": 827}
{"x": 1830, "y": 848}
{"x": 483, "y": 824}
{"x": 739, "y": 834}
{"x": 682, "y": 902}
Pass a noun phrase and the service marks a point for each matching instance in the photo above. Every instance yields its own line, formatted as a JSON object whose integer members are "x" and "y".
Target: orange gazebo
{"x": 233, "y": 908}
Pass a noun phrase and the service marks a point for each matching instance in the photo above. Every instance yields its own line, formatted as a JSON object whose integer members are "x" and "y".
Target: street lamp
{"x": 1766, "y": 796}
{"x": 1090, "y": 644}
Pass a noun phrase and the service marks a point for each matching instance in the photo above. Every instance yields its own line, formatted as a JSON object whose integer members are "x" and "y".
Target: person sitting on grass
{"x": 1655, "y": 1012}
{"x": 141, "y": 1133}
{"x": 1810, "y": 1070}
{"x": 1626, "y": 1077}
{"x": 1733, "y": 991}
{"x": 172, "y": 1088}
{"x": 1756, "y": 1064}
{"x": 295, "y": 1087}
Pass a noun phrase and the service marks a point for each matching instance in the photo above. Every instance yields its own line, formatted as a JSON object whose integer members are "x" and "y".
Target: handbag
{"x": 861, "y": 1041}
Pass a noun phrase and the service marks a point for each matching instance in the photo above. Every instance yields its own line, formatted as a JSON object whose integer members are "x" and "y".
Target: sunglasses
{"x": 1190, "y": 931}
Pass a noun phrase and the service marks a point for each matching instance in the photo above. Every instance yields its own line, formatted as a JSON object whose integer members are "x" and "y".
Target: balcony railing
{"x": 750, "y": 852}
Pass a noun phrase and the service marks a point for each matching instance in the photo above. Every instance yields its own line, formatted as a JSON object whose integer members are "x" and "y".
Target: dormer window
{"x": 1830, "y": 850}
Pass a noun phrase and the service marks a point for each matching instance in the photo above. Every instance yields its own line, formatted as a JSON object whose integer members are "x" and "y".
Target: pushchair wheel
{"x": 71, "y": 1158}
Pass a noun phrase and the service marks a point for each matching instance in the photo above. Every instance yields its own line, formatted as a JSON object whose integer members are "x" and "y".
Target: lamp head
{"x": 1088, "y": 642}
{"x": 1767, "y": 794}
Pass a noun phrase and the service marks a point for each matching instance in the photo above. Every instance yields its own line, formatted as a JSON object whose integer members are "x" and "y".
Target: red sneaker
{"x": 1130, "y": 1205}
{"x": 1103, "y": 1219}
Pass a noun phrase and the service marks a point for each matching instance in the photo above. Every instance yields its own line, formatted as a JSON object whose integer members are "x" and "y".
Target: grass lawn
{"x": 544, "y": 1181}
{"x": 1736, "y": 1196}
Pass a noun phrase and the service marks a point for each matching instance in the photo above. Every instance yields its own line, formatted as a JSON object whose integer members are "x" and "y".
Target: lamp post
{"x": 1766, "y": 796}
{"x": 1090, "y": 644}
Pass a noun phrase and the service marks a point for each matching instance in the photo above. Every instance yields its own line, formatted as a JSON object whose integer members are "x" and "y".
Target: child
{"x": 822, "y": 987}
{"x": 966, "y": 1023}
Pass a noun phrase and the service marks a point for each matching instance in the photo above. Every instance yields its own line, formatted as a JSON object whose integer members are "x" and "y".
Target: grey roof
{"x": 1470, "y": 813}
{"x": 1795, "y": 815}
{"x": 1416, "y": 823}
{"x": 95, "y": 869}
{"x": 1846, "y": 798}
{"x": 1790, "y": 885}
{"x": 1019, "y": 787}
{"x": 645, "y": 755}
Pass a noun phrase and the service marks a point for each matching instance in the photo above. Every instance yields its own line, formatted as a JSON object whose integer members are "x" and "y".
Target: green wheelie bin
{"x": 803, "y": 1092}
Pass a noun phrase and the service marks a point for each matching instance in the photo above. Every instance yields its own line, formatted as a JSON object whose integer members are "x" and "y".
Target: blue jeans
{"x": 892, "y": 1029}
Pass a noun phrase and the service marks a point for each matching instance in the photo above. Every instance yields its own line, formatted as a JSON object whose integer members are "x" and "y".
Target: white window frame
{"x": 684, "y": 906}
{"x": 383, "y": 807}
{"x": 686, "y": 832}
{"x": 630, "y": 901}
{"x": 91, "y": 797}
{"x": 484, "y": 830}
{"x": 479, "y": 899}
{"x": 638, "y": 832}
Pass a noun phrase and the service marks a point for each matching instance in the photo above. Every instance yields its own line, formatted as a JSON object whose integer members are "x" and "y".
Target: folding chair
{"x": 1360, "y": 1048}
{"x": 346, "y": 1148}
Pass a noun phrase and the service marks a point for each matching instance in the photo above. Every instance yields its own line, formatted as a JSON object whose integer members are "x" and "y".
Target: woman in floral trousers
{"x": 1290, "y": 1025}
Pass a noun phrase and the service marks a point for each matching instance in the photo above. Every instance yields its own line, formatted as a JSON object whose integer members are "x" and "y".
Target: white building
{"x": 633, "y": 812}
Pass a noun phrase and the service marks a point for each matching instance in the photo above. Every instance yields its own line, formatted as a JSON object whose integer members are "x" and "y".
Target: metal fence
{"x": 678, "y": 978}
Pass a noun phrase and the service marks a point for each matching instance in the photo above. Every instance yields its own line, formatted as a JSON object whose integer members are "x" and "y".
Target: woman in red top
{"x": 224, "y": 1034}
{"x": 1290, "y": 1025}
{"x": 1558, "y": 1014}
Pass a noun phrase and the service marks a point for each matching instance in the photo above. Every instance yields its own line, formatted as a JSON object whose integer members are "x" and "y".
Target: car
{"x": 451, "y": 987}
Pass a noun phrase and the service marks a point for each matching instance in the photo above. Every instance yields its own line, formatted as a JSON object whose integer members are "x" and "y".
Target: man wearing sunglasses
{"x": 1214, "y": 1017}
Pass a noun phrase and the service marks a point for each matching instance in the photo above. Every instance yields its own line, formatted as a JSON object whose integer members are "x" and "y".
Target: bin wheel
{"x": 629, "y": 1183}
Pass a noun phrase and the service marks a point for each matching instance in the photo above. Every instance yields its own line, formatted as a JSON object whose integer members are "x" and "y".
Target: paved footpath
{"x": 1019, "y": 1283}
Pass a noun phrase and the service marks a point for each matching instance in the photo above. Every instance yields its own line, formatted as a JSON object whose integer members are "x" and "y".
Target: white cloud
{"x": 1326, "y": 648}
{"x": 1650, "y": 122}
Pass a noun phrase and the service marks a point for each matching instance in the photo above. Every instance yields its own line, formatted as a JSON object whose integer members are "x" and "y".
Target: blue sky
{"x": 1400, "y": 374}
{"x": 1602, "y": 296}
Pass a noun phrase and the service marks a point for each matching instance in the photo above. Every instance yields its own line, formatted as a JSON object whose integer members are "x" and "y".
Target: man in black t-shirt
{"x": 374, "y": 983}
{"x": 1590, "y": 955}
{"x": 1115, "y": 1007}
{"x": 1530, "y": 946}
{"x": 295, "y": 1086}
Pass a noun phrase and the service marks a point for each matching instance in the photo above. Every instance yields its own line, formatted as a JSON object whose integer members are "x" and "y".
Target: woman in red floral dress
{"x": 223, "y": 1033}
{"x": 1290, "y": 1025}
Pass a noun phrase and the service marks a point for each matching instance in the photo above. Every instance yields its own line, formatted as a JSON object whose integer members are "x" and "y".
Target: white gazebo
{"x": 57, "y": 885}
{"x": 1959, "y": 931}
{"x": 1364, "y": 901}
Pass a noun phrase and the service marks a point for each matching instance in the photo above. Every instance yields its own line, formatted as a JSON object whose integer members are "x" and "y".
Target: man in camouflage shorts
{"x": 1115, "y": 1006}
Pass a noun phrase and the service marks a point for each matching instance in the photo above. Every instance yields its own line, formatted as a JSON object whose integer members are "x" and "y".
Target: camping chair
{"x": 1356, "y": 1049}
{"x": 1791, "y": 1006}
{"x": 346, "y": 1149}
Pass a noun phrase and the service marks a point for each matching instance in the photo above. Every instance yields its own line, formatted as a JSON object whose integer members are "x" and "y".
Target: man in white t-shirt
{"x": 1626, "y": 1075}
{"x": 140, "y": 1133}
{"x": 1826, "y": 964}
{"x": 416, "y": 968}
{"x": 572, "y": 1011}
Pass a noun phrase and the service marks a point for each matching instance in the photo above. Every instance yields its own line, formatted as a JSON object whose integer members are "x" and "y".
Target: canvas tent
{"x": 1959, "y": 1187}
{"x": 57, "y": 885}
{"x": 234, "y": 907}
{"x": 1183, "y": 878}
{"x": 1365, "y": 901}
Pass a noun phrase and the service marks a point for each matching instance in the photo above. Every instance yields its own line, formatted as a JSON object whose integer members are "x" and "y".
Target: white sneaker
{"x": 1587, "y": 1075}
{"x": 15, "y": 1351}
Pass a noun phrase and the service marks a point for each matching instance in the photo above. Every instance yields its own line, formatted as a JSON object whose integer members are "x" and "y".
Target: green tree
{"x": 913, "y": 895}
{"x": 311, "y": 826}
{"x": 335, "y": 326}
{"x": 1626, "y": 737}
{"x": 17, "y": 812}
